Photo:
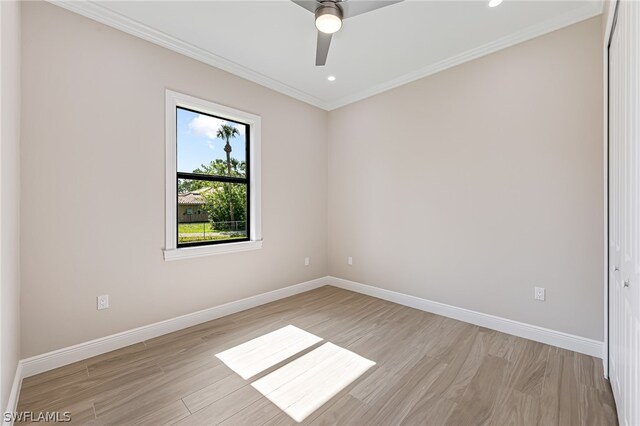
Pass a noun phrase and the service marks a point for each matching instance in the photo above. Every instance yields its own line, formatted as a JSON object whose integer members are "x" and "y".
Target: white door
{"x": 624, "y": 211}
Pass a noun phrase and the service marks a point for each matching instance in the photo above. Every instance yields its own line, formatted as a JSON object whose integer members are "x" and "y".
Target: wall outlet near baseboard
{"x": 306, "y": 261}
{"x": 350, "y": 260}
{"x": 103, "y": 302}
{"x": 538, "y": 293}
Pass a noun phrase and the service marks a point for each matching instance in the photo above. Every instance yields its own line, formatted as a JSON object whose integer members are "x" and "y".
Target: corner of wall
{"x": 10, "y": 106}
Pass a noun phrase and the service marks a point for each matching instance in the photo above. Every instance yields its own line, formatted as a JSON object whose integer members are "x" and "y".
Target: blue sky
{"x": 197, "y": 143}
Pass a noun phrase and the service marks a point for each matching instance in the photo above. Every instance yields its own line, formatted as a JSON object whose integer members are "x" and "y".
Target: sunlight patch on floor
{"x": 305, "y": 384}
{"x": 261, "y": 353}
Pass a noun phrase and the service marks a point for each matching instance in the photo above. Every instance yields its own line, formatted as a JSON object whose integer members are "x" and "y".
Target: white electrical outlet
{"x": 350, "y": 260}
{"x": 538, "y": 293}
{"x": 103, "y": 302}
{"x": 306, "y": 261}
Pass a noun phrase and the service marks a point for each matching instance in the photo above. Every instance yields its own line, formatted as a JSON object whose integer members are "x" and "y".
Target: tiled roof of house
{"x": 193, "y": 198}
{"x": 190, "y": 199}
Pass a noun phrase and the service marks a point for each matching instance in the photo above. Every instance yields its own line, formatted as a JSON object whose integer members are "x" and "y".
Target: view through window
{"x": 212, "y": 179}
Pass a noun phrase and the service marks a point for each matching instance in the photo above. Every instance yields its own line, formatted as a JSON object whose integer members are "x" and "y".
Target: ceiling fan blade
{"x": 358, "y": 7}
{"x": 322, "y": 50}
{"x": 310, "y": 5}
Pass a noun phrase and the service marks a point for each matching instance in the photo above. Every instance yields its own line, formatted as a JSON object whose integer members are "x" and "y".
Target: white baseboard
{"x": 12, "y": 404}
{"x": 58, "y": 358}
{"x": 48, "y": 361}
{"x": 539, "y": 334}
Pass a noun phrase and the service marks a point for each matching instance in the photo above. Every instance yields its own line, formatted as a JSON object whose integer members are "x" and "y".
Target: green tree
{"x": 187, "y": 185}
{"x": 227, "y": 132}
{"x": 232, "y": 167}
{"x": 221, "y": 198}
{"x": 221, "y": 201}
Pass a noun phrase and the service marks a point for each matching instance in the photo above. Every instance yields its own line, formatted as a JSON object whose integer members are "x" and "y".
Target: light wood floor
{"x": 430, "y": 370}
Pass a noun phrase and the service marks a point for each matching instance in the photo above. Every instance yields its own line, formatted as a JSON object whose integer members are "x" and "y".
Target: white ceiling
{"x": 272, "y": 42}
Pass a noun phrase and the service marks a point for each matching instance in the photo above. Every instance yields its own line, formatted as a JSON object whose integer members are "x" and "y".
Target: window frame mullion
{"x": 212, "y": 178}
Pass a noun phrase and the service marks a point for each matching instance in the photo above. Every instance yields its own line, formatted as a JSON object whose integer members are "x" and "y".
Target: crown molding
{"x": 103, "y": 15}
{"x": 120, "y": 22}
{"x": 589, "y": 10}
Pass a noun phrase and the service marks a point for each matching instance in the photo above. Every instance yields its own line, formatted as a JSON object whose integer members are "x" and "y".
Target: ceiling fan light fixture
{"x": 328, "y": 18}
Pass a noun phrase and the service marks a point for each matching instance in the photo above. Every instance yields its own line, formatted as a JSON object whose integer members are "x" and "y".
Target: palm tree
{"x": 226, "y": 132}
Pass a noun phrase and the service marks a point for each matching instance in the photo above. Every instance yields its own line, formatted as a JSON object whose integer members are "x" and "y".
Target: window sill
{"x": 201, "y": 251}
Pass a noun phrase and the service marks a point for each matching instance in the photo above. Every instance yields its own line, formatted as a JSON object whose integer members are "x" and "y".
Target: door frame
{"x": 610, "y": 10}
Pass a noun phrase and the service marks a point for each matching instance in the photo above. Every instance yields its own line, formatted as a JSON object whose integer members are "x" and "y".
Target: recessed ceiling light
{"x": 494, "y": 3}
{"x": 331, "y": 78}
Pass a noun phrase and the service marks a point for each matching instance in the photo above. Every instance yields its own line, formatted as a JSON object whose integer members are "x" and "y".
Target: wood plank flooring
{"x": 430, "y": 370}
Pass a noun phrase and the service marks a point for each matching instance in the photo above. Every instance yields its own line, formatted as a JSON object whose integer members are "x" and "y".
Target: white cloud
{"x": 207, "y": 126}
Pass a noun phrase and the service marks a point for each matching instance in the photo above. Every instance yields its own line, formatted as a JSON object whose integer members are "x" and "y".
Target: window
{"x": 212, "y": 178}
{"x": 213, "y": 174}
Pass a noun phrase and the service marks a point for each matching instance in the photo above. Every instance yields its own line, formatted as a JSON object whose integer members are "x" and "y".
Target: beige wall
{"x": 474, "y": 185}
{"x": 10, "y": 198}
{"x": 93, "y": 138}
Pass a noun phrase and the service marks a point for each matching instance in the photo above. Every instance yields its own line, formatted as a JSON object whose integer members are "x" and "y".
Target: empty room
{"x": 340, "y": 212}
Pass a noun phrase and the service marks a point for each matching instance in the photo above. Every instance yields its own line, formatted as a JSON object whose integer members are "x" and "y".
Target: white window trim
{"x": 171, "y": 250}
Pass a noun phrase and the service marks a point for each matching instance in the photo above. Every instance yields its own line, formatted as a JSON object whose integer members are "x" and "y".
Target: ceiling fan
{"x": 329, "y": 15}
